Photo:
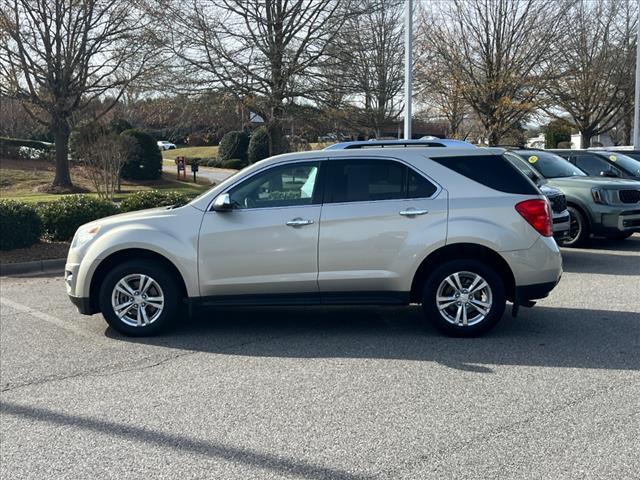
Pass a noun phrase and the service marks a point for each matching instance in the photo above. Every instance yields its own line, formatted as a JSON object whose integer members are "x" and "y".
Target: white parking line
{"x": 53, "y": 320}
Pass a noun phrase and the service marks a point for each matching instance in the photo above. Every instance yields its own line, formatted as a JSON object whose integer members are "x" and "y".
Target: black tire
{"x": 169, "y": 289}
{"x": 578, "y": 229}
{"x": 438, "y": 318}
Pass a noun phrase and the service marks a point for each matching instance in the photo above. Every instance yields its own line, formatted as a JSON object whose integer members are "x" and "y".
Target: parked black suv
{"x": 603, "y": 163}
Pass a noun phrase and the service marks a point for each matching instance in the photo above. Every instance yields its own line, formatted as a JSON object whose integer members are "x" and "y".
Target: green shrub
{"x": 234, "y": 145}
{"x": 144, "y": 160}
{"x": 20, "y": 225}
{"x": 234, "y": 164}
{"x": 212, "y": 162}
{"x": 258, "y": 145}
{"x": 119, "y": 125}
{"x": 62, "y": 218}
{"x": 151, "y": 199}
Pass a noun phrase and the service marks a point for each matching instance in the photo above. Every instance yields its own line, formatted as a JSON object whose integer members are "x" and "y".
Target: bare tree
{"x": 262, "y": 50}
{"x": 61, "y": 55}
{"x": 442, "y": 93}
{"x": 498, "y": 52}
{"x": 626, "y": 33}
{"x": 593, "y": 57}
{"x": 370, "y": 50}
{"x": 103, "y": 157}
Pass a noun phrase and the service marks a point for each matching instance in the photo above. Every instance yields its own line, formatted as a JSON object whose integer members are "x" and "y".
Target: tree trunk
{"x": 277, "y": 143}
{"x": 61, "y": 132}
{"x": 494, "y": 138}
{"x": 586, "y": 136}
{"x": 628, "y": 127}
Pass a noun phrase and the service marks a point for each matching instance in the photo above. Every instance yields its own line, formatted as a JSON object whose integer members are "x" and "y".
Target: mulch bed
{"x": 39, "y": 251}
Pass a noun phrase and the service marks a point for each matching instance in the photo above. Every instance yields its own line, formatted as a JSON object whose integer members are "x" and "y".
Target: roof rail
{"x": 437, "y": 143}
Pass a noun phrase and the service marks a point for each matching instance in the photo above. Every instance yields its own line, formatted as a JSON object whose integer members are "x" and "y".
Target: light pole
{"x": 408, "y": 66}
{"x": 636, "y": 115}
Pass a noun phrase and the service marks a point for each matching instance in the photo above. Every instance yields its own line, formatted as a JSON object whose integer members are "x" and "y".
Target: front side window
{"x": 591, "y": 164}
{"x": 280, "y": 186}
{"x": 374, "y": 180}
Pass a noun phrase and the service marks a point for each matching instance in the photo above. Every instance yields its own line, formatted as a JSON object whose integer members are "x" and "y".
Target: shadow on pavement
{"x": 590, "y": 261}
{"x": 631, "y": 244}
{"x": 542, "y": 336}
{"x": 211, "y": 449}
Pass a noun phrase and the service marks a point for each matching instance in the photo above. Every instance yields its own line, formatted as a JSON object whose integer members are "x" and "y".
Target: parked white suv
{"x": 459, "y": 230}
{"x": 165, "y": 145}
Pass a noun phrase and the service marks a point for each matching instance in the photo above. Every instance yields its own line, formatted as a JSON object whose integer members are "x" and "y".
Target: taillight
{"x": 537, "y": 213}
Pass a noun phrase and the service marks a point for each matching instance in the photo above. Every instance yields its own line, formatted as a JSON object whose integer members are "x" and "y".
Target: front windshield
{"x": 550, "y": 165}
{"x": 624, "y": 162}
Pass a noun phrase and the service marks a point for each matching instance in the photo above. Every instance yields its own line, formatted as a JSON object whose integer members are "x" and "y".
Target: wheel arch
{"x": 457, "y": 251}
{"x": 121, "y": 256}
{"x": 583, "y": 210}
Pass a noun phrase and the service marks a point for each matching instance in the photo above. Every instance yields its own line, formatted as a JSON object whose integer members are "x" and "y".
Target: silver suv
{"x": 459, "y": 230}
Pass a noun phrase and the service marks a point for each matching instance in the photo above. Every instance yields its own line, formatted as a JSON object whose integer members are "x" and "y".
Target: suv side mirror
{"x": 222, "y": 203}
{"x": 609, "y": 173}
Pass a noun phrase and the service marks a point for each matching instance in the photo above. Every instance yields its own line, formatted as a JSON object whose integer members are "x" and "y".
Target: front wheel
{"x": 578, "y": 229}
{"x": 137, "y": 298}
{"x": 464, "y": 298}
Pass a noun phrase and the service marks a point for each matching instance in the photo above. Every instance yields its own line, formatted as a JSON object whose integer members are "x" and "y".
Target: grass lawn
{"x": 22, "y": 179}
{"x": 197, "y": 152}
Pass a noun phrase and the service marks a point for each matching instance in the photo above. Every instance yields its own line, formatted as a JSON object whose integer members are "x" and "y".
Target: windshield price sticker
{"x": 533, "y": 159}
{"x": 613, "y": 158}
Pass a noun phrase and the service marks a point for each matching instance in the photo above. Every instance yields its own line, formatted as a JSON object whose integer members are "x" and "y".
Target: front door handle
{"x": 299, "y": 222}
{"x": 412, "y": 212}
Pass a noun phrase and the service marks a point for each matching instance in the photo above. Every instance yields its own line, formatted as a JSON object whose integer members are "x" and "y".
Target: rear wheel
{"x": 578, "y": 229}
{"x": 464, "y": 298}
{"x": 138, "y": 298}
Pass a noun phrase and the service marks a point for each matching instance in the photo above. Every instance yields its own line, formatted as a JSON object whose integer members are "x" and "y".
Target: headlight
{"x": 84, "y": 235}
{"x": 599, "y": 195}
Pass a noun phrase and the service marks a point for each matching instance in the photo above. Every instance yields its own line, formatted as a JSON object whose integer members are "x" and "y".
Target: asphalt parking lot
{"x": 339, "y": 393}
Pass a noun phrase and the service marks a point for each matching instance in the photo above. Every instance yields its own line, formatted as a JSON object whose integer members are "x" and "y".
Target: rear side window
{"x": 371, "y": 180}
{"x": 493, "y": 171}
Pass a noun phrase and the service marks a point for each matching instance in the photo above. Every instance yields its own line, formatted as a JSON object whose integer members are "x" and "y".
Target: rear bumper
{"x": 83, "y": 304}
{"x": 540, "y": 264}
{"x": 536, "y": 291}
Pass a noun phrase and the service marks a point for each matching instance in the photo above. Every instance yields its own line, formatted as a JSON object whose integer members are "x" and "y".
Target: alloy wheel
{"x": 464, "y": 298}
{"x": 137, "y": 300}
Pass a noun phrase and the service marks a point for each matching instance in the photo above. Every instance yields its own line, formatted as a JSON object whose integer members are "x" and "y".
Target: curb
{"x": 39, "y": 266}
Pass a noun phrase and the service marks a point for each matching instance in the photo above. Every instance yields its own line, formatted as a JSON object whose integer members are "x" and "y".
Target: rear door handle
{"x": 412, "y": 212}
{"x": 299, "y": 222}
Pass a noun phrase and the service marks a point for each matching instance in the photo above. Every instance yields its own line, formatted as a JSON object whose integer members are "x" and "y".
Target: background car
{"x": 603, "y": 163}
{"x": 608, "y": 207}
{"x": 165, "y": 145}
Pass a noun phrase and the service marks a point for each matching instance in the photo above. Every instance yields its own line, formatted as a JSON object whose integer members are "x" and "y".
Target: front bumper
{"x": 617, "y": 222}
{"x": 83, "y": 304}
{"x": 561, "y": 225}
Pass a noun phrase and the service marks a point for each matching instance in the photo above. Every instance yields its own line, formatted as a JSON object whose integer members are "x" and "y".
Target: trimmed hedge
{"x": 258, "y": 145}
{"x": 20, "y": 225}
{"x": 62, "y": 218}
{"x": 152, "y": 199}
{"x": 21, "y": 148}
{"x": 234, "y": 145}
{"x": 144, "y": 161}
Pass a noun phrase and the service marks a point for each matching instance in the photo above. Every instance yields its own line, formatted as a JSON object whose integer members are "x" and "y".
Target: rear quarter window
{"x": 493, "y": 171}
